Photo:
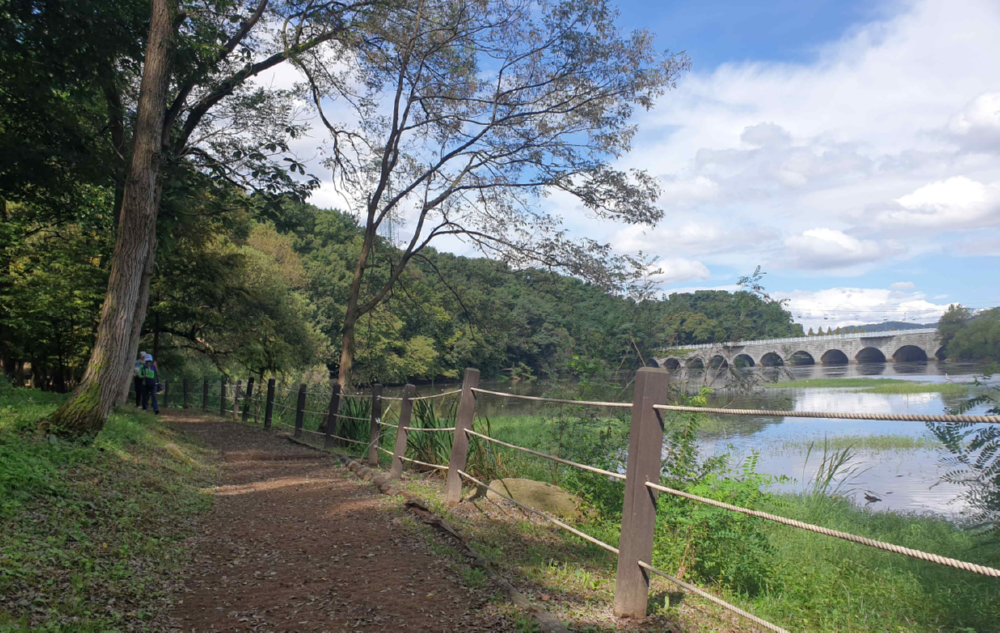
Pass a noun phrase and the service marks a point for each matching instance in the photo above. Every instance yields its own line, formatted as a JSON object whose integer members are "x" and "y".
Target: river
{"x": 903, "y": 473}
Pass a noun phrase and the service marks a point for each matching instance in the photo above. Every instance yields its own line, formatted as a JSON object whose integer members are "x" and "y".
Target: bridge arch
{"x": 834, "y": 357}
{"x": 870, "y": 355}
{"x": 771, "y": 359}
{"x": 718, "y": 362}
{"x": 801, "y": 357}
{"x": 671, "y": 363}
{"x": 909, "y": 354}
{"x": 744, "y": 360}
{"x": 696, "y": 363}
{"x": 940, "y": 354}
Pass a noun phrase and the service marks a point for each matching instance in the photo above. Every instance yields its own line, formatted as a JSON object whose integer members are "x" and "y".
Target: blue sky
{"x": 852, "y": 149}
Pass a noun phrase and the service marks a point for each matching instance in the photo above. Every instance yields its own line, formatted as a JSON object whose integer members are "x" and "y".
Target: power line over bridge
{"x": 919, "y": 344}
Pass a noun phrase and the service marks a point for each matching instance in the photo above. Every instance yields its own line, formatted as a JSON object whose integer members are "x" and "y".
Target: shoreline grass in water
{"x": 90, "y": 535}
{"x": 885, "y": 386}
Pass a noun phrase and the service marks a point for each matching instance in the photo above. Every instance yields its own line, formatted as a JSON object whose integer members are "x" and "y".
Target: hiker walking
{"x": 137, "y": 378}
{"x": 149, "y": 380}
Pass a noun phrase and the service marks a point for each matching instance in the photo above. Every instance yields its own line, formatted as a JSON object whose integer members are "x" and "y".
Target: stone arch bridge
{"x": 836, "y": 349}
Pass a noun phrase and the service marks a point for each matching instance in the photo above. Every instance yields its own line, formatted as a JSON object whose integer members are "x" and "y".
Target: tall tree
{"x": 460, "y": 116}
{"x": 87, "y": 410}
{"x": 215, "y": 120}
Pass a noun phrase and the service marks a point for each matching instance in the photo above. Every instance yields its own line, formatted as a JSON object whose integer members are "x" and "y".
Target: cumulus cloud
{"x": 977, "y": 126}
{"x": 903, "y": 285}
{"x": 676, "y": 269}
{"x": 824, "y": 248}
{"x": 946, "y": 205}
{"x": 839, "y": 307}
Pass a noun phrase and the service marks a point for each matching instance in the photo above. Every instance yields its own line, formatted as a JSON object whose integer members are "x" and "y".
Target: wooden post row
{"x": 247, "y": 402}
{"x": 405, "y": 413}
{"x": 269, "y": 407}
{"x": 375, "y": 425}
{"x": 186, "y": 394}
{"x": 222, "y": 399}
{"x": 204, "y": 396}
{"x": 460, "y": 442}
{"x": 639, "y": 510}
{"x": 331, "y": 416}
{"x": 300, "y": 410}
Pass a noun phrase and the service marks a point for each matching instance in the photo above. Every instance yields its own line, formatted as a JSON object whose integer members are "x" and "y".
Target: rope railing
{"x": 544, "y": 515}
{"x": 719, "y": 601}
{"x": 592, "y": 469}
{"x": 589, "y": 403}
{"x": 417, "y": 461}
{"x": 437, "y": 395}
{"x": 895, "y": 417}
{"x": 432, "y": 429}
{"x": 889, "y": 547}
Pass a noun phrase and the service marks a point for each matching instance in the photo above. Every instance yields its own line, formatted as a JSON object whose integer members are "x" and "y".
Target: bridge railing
{"x": 803, "y": 339}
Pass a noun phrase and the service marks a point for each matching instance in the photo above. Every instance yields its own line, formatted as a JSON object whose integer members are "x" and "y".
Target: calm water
{"x": 902, "y": 479}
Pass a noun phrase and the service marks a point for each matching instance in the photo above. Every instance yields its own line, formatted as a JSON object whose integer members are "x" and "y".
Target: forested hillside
{"x": 247, "y": 286}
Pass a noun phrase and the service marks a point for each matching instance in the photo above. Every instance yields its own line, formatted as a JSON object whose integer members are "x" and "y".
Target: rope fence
{"x": 644, "y": 466}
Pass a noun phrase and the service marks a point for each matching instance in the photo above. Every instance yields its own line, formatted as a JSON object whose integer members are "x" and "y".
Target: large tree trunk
{"x": 346, "y": 355}
{"x": 87, "y": 409}
{"x": 351, "y": 315}
{"x": 140, "y": 307}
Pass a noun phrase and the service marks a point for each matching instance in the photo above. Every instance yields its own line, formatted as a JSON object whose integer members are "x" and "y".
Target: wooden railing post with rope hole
{"x": 166, "y": 395}
{"x": 300, "y": 410}
{"x": 460, "y": 441}
{"x": 269, "y": 406}
{"x": 248, "y": 400}
{"x": 331, "y": 416}
{"x": 375, "y": 425}
{"x": 236, "y": 400}
{"x": 639, "y": 509}
{"x": 405, "y": 413}
{"x": 204, "y": 396}
{"x": 186, "y": 394}
{"x": 222, "y": 398}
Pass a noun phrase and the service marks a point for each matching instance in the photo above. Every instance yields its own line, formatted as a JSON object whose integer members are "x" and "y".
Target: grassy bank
{"x": 874, "y": 385}
{"x": 797, "y": 579}
{"x": 90, "y": 536}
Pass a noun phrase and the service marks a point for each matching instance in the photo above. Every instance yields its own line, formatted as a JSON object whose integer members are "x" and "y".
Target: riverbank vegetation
{"x": 966, "y": 335}
{"x": 91, "y": 536}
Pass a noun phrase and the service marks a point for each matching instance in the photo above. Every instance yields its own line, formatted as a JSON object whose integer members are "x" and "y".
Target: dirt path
{"x": 294, "y": 544}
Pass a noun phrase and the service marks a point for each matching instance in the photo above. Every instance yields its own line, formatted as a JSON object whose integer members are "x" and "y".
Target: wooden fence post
{"x": 166, "y": 394}
{"x": 269, "y": 407}
{"x": 222, "y": 399}
{"x": 186, "y": 394}
{"x": 375, "y": 425}
{"x": 300, "y": 410}
{"x": 237, "y": 395}
{"x": 460, "y": 442}
{"x": 645, "y": 446}
{"x": 405, "y": 413}
{"x": 248, "y": 401}
{"x": 331, "y": 416}
{"x": 204, "y": 396}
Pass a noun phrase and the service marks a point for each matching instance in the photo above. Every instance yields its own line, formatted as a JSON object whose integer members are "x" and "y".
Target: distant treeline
{"x": 968, "y": 335}
{"x": 247, "y": 285}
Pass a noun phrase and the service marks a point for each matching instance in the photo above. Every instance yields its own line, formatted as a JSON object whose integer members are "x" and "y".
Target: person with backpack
{"x": 137, "y": 378}
{"x": 149, "y": 380}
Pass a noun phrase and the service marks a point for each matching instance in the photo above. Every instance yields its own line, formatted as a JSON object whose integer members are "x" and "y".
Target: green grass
{"x": 861, "y": 443}
{"x": 873, "y": 385}
{"x": 90, "y": 536}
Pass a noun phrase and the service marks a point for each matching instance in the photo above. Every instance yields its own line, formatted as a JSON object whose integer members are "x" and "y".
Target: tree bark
{"x": 140, "y": 308}
{"x": 351, "y": 315}
{"x": 87, "y": 409}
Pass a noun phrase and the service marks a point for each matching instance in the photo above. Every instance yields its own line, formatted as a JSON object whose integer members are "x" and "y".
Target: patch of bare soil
{"x": 293, "y": 544}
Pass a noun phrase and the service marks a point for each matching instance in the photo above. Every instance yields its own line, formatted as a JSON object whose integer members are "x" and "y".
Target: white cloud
{"x": 977, "y": 126}
{"x": 838, "y": 307}
{"x": 675, "y": 270}
{"x": 946, "y": 205}
{"x": 823, "y": 248}
{"x": 903, "y": 285}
